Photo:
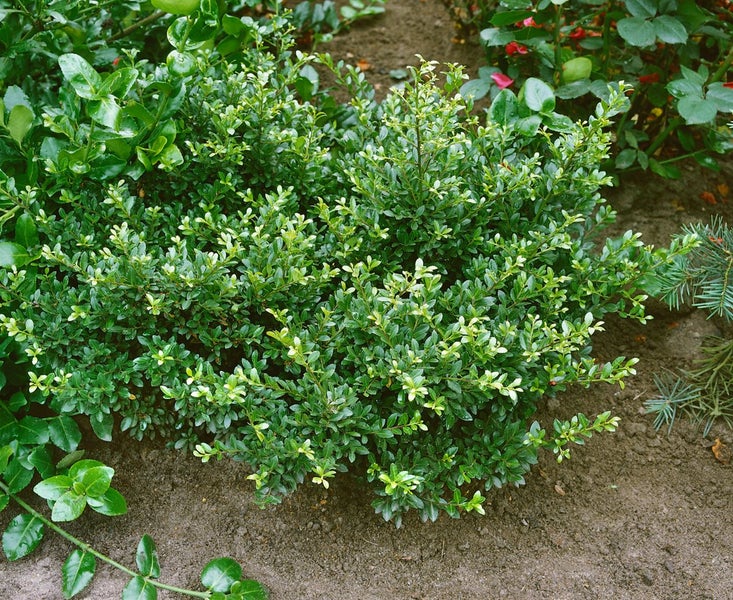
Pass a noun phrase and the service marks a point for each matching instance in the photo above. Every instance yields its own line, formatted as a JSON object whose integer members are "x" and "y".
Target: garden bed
{"x": 634, "y": 514}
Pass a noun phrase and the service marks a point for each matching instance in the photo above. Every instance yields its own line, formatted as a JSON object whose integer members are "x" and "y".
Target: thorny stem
{"x": 88, "y": 549}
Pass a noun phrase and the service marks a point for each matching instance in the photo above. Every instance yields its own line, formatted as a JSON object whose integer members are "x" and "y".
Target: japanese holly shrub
{"x": 387, "y": 288}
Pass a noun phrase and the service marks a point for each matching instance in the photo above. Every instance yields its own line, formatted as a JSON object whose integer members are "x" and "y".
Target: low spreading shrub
{"x": 254, "y": 270}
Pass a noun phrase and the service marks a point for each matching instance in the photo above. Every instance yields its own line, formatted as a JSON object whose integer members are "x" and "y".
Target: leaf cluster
{"x": 675, "y": 55}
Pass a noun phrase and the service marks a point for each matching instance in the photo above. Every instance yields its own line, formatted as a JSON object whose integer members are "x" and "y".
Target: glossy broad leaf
{"x": 77, "y": 572}
{"x": 538, "y": 96}
{"x": 81, "y": 75}
{"x": 16, "y": 476}
{"x": 505, "y": 108}
{"x": 147, "y": 558}
{"x": 65, "y": 433}
{"x": 139, "y": 589}
{"x": 68, "y": 506}
{"x": 22, "y": 536}
{"x": 669, "y": 30}
{"x": 26, "y": 233}
{"x": 220, "y": 574}
{"x": 53, "y": 487}
{"x": 112, "y": 504}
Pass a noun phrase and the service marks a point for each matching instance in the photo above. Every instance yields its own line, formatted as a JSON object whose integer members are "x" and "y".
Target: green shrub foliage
{"x": 313, "y": 287}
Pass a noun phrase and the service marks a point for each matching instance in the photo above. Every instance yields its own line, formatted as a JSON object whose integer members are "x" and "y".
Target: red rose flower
{"x": 513, "y": 48}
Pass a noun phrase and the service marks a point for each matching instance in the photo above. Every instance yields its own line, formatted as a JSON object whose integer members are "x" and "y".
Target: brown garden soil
{"x": 635, "y": 514}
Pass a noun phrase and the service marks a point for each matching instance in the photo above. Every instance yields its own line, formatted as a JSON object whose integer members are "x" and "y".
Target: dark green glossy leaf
{"x": 105, "y": 111}
{"x": 220, "y": 574}
{"x": 16, "y": 476}
{"x": 5, "y": 453}
{"x": 42, "y": 461}
{"x": 77, "y": 572}
{"x": 139, "y": 589}
{"x": 64, "y": 432}
{"x": 510, "y": 17}
{"x": 102, "y": 424}
{"x": 96, "y": 481}
{"x": 253, "y": 590}
{"x": 32, "y": 431}
{"x": 22, "y": 536}
{"x": 81, "y": 75}
{"x": 537, "y": 95}
{"x": 708, "y": 162}
{"x": 505, "y": 108}
{"x": 111, "y": 504}
{"x": 4, "y": 500}
{"x": 147, "y": 558}
{"x": 53, "y": 487}
{"x": 26, "y": 233}
{"x": 68, "y": 506}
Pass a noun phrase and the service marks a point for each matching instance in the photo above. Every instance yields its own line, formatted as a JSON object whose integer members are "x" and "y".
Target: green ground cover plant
{"x": 676, "y": 55}
{"x": 210, "y": 248}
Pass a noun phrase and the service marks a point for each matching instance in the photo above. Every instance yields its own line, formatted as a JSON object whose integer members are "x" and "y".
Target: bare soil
{"x": 635, "y": 514}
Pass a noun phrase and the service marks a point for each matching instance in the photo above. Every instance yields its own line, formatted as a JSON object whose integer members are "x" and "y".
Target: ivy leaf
{"x": 64, "y": 432}
{"x": 220, "y": 574}
{"x": 147, "y": 558}
{"x": 139, "y": 589}
{"x": 77, "y": 572}
{"x": 81, "y": 75}
{"x": 22, "y": 536}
